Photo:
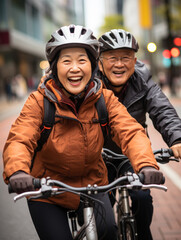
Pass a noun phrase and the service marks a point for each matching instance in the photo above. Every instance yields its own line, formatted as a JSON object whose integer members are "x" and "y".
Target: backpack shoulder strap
{"x": 103, "y": 116}
{"x": 47, "y": 125}
{"x": 48, "y": 122}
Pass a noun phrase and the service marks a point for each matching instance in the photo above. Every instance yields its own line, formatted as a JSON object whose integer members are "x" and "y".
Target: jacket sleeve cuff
{"x": 176, "y": 142}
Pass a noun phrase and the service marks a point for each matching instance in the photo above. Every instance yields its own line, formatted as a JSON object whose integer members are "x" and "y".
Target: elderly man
{"x": 131, "y": 82}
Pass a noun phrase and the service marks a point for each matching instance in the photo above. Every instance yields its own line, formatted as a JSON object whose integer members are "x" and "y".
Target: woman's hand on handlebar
{"x": 21, "y": 182}
{"x": 152, "y": 175}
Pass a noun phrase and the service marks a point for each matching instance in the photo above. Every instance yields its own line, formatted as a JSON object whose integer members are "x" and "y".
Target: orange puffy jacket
{"x": 72, "y": 153}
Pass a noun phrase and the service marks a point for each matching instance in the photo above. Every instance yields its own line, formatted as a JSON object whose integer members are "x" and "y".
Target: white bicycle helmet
{"x": 116, "y": 39}
{"x": 72, "y": 36}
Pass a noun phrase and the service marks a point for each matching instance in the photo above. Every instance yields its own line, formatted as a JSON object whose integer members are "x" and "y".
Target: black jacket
{"x": 143, "y": 95}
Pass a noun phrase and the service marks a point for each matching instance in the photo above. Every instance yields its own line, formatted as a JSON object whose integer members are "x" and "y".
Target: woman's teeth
{"x": 75, "y": 79}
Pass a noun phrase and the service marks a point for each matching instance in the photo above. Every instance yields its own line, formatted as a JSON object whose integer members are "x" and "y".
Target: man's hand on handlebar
{"x": 177, "y": 150}
{"x": 152, "y": 175}
{"x": 21, "y": 182}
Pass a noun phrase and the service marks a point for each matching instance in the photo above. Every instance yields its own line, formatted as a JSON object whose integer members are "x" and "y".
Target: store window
{"x": 3, "y": 15}
{"x": 18, "y": 20}
{"x": 26, "y": 18}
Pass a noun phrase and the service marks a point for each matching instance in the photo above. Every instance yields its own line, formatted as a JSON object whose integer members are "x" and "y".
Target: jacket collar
{"x": 55, "y": 94}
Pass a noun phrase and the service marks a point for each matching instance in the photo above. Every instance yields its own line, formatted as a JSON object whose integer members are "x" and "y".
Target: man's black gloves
{"x": 21, "y": 182}
{"x": 152, "y": 175}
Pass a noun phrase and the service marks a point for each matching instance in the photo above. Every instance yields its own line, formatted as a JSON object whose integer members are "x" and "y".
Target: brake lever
{"x": 26, "y": 194}
{"x": 175, "y": 159}
{"x": 161, "y": 187}
{"x": 45, "y": 193}
{"x": 165, "y": 159}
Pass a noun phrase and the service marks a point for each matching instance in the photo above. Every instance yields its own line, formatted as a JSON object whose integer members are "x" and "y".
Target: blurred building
{"x": 113, "y": 7}
{"x": 25, "y": 26}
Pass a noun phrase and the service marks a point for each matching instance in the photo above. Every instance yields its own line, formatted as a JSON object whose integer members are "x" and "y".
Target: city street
{"x": 15, "y": 222}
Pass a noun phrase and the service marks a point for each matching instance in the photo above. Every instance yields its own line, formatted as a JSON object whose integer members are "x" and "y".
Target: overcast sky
{"x": 94, "y": 14}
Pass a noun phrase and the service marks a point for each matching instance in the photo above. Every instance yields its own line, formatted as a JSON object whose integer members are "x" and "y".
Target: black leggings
{"x": 51, "y": 220}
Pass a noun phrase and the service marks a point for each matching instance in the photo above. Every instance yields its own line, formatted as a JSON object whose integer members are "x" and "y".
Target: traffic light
{"x": 166, "y": 53}
{"x": 175, "y": 52}
{"x": 166, "y": 58}
{"x": 177, "y": 41}
{"x": 171, "y": 53}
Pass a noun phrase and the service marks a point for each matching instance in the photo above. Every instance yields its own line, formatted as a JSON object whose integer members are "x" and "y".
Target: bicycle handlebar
{"x": 49, "y": 187}
{"x": 165, "y": 155}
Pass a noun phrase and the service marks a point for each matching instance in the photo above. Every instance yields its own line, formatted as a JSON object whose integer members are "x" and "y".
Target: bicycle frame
{"x": 89, "y": 221}
{"x": 88, "y": 229}
{"x": 125, "y": 217}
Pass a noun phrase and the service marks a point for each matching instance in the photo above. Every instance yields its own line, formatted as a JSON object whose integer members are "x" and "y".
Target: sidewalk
{"x": 166, "y": 223}
{"x": 9, "y": 108}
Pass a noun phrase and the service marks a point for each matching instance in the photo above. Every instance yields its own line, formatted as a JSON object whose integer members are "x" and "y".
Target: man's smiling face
{"x": 118, "y": 65}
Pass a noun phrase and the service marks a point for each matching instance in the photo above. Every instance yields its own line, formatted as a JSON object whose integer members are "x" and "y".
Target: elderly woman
{"x": 72, "y": 153}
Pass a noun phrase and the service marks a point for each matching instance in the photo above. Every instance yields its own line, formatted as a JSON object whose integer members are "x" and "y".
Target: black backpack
{"x": 49, "y": 119}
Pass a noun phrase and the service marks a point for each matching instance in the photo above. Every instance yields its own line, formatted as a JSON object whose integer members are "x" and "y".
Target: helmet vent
{"x": 113, "y": 37}
{"x": 60, "y": 32}
{"x": 92, "y": 37}
{"x": 83, "y": 31}
{"x": 121, "y": 35}
{"x": 51, "y": 40}
{"x": 72, "y": 29}
{"x": 129, "y": 37}
{"x": 106, "y": 39}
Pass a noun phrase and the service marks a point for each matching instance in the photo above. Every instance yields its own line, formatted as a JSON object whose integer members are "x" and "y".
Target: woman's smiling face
{"x": 74, "y": 69}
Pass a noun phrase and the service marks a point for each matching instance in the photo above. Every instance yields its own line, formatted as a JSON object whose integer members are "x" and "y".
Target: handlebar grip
{"x": 10, "y": 189}
{"x": 170, "y": 151}
{"x": 163, "y": 180}
{"x": 37, "y": 182}
{"x": 141, "y": 177}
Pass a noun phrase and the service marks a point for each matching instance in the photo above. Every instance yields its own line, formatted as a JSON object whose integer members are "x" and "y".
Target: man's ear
{"x": 135, "y": 60}
{"x": 100, "y": 65}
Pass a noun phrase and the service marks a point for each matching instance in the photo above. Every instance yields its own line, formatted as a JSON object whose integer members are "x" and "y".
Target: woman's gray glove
{"x": 21, "y": 182}
{"x": 152, "y": 175}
